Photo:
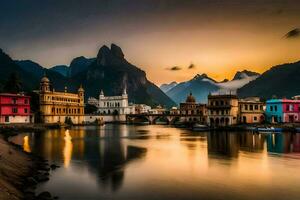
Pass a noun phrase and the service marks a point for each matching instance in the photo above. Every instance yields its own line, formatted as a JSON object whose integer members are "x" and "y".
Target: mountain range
{"x": 111, "y": 72}
{"x": 108, "y": 71}
{"x": 202, "y": 85}
{"x": 168, "y": 86}
{"x": 280, "y": 81}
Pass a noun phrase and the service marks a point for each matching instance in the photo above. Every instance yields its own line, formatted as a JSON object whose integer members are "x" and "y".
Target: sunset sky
{"x": 217, "y": 37}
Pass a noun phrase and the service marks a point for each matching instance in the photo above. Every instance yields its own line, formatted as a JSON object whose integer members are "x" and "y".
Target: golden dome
{"x": 190, "y": 99}
{"x": 80, "y": 89}
{"x": 45, "y": 80}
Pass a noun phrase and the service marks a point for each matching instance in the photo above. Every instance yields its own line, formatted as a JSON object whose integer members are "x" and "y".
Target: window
{"x": 246, "y": 107}
{"x": 14, "y": 101}
{"x": 291, "y": 107}
{"x": 275, "y": 108}
{"x": 256, "y": 107}
{"x": 254, "y": 118}
{"x": 25, "y": 110}
{"x": 26, "y": 101}
{"x": 251, "y": 107}
{"x": 15, "y": 110}
{"x": 271, "y": 108}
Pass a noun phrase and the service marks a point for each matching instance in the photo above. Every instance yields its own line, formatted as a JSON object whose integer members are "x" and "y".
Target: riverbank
{"x": 21, "y": 172}
{"x": 10, "y": 129}
{"x": 295, "y": 128}
{"x": 14, "y": 166}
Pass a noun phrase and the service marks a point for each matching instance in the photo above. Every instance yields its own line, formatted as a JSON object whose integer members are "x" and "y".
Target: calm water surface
{"x": 161, "y": 162}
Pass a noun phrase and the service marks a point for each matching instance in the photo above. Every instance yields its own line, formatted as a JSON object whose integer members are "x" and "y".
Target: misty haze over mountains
{"x": 202, "y": 85}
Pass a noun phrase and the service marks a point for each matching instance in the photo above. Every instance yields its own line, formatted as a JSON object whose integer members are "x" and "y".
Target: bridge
{"x": 153, "y": 118}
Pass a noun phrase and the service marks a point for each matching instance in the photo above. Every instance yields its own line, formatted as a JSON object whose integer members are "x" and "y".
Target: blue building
{"x": 274, "y": 110}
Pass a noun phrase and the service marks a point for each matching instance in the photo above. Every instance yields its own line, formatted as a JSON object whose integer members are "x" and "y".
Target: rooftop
{"x": 13, "y": 95}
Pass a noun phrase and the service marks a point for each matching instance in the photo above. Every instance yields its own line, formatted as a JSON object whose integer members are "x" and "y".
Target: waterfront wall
{"x": 104, "y": 118}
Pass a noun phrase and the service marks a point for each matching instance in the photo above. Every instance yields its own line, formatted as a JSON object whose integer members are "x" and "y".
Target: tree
{"x": 13, "y": 84}
{"x": 68, "y": 121}
{"x": 90, "y": 109}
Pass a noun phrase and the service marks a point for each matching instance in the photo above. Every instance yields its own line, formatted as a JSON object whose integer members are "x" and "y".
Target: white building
{"x": 157, "y": 110}
{"x": 112, "y": 105}
{"x": 141, "y": 108}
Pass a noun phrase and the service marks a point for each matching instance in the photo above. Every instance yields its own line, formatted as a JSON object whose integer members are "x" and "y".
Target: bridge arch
{"x": 163, "y": 118}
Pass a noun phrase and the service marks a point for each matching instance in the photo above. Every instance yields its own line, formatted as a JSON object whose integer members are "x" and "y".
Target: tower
{"x": 81, "y": 93}
{"x": 44, "y": 85}
{"x": 124, "y": 99}
{"x": 124, "y": 94}
{"x": 101, "y": 96}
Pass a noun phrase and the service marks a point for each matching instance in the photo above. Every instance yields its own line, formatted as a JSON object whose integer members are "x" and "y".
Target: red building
{"x": 14, "y": 108}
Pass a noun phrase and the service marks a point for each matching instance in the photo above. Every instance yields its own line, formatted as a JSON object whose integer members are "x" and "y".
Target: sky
{"x": 172, "y": 40}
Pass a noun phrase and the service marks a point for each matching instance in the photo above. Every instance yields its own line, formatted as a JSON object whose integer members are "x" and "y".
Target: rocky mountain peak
{"x": 117, "y": 51}
{"x": 225, "y": 80}
{"x": 203, "y": 76}
{"x": 113, "y": 56}
{"x": 78, "y": 60}
{"x": 244, "y": 74}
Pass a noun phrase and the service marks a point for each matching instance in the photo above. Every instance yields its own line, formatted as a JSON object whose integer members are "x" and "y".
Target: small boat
{"x": 200, "y": 127}
{"x": 269, "y": 130}
{"x": 251, "y": 128}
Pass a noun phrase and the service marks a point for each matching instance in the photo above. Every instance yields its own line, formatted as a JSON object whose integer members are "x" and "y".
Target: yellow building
{"x": 59, "y": 107}
{"x": 251, "y": 110}
{"x": 222, "y": 109}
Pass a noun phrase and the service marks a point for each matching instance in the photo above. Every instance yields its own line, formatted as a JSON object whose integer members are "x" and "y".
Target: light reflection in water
{"x": 159, "y": 162}
{"x": 26, "y": 145}
{"x": 67, "y": 149}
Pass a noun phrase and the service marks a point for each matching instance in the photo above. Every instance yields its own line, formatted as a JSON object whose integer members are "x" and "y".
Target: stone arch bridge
{"x": 153, "y": 118}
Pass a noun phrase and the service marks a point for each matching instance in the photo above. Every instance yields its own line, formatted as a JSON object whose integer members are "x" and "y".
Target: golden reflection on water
{"x": 172, "y": 160}
{"x": 26, "y": 145}
{"x": 68, "y": 148}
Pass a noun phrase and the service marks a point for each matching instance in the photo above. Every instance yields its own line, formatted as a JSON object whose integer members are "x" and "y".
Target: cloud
{"x": 175, "y": 68}
{"x": 293, "y": 33}
{"x": 192, "y": 66}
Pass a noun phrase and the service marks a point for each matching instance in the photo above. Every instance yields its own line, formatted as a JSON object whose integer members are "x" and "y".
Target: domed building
{"x": 60, "y": 107}
{"x": 192, "y": 111}
{"x": 190, "y": 99}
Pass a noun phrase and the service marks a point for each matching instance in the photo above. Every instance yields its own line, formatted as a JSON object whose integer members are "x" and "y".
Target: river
{"x": 162, "y": 162}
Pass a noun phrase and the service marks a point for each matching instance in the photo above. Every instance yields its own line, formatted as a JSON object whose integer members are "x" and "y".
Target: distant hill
{"x": 8, "y": 66}
{"x": 281, "y": 81}
{"x": 77, "y": 65}
{"x": 80, "y": 64}
{"x": 202, "y": 85}
{"x": 167, "y": 86}
{"x": 62, "y": 69}
{"x": 37, "y": 72}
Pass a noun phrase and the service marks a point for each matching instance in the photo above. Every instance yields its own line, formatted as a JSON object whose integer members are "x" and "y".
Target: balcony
{"x": 227, "y": 106}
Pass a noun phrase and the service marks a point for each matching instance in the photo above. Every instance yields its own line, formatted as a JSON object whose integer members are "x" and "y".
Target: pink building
{"x": 291, "y": 110}
{"x": 15, "y": 108}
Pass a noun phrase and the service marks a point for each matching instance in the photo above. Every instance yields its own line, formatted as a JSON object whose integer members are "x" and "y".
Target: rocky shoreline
{"x": 20, "y": 171}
